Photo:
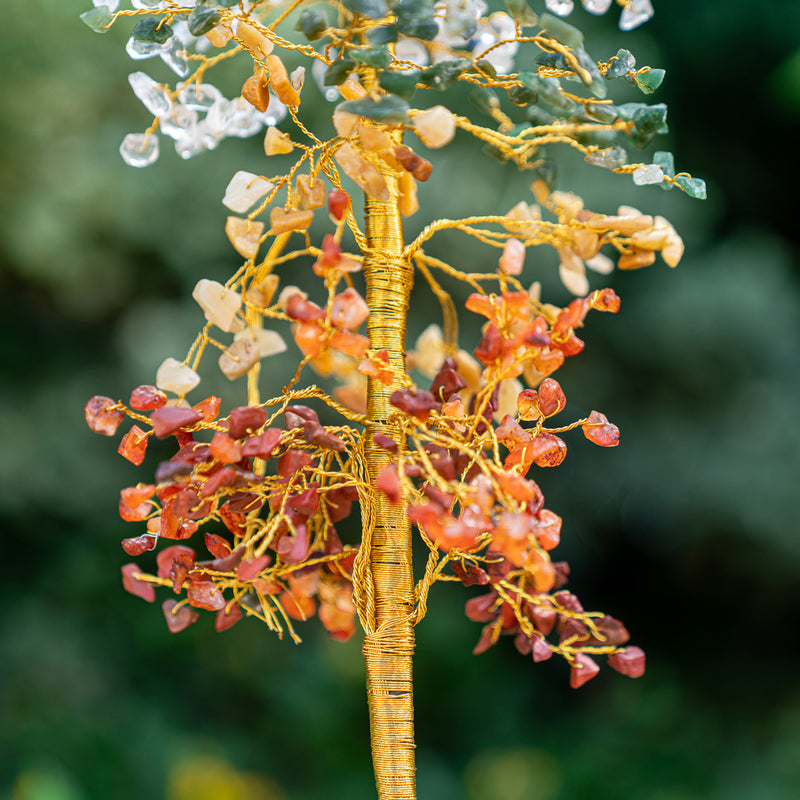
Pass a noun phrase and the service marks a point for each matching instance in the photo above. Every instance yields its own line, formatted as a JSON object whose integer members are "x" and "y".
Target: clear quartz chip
{"x": 634, "y": 14}
{"x": 153, "y": 96}
{"x": 173, "y": 57}
{"x": 199, "y": 97}
{"x": 111, "y": 5}
{"x": 181, "y": 32}
{"x": 560, "y": 7}
{"x": 180, "y": 123}
{"x": 139, "y": 149}
{"x": 596, "y": 6}
{"x": 190, "y": 145}
{"x": 275, "y": 113}
{"x": 139, "y": 51}
{"x": 240, "y": 118}
{"x": 410, "y": 50}
{"x": 461, "y": 18}
{"x": 651, "y": 173}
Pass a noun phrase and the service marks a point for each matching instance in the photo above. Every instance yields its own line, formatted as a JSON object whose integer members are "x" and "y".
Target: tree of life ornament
{"x": 450, "y": 463}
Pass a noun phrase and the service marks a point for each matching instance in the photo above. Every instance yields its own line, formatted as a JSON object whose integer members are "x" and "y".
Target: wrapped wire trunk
{"x": 389, "y": 638}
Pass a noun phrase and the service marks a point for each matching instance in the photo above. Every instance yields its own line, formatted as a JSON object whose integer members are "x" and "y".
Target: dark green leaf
{"x": 402, "y": 84}
{"x": 549, "y": 89}
{"x": 602, "y": 112}
{"x": 552, "y": 60}
{"x": 415, "y": 19}
{"x": 595, "y": 82}
{"x": 443, "y": 74}
{"x": 337, "y": 73}
{"x": 386, "y": 108}
{"x": 378, "y": 57}
{"x": 562, "y": 31}
{"x": 651, "y": 119}
{"x": 523, "y": 96}
{"x": 154, "y": 31}
{"x": 202, "y": 20}
{"x": 312, "y": 23}
{"x": 422, "y": 29}
{"x": 486, "y": 66}
{"x": 522, "y": 12}
{"x": 374, "y": 9}
{"x": 383, "y": 34}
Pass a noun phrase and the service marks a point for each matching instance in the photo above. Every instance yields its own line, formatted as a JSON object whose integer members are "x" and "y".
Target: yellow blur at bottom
{"x": 513, "y": 774}
{"x": 208, "y": 778}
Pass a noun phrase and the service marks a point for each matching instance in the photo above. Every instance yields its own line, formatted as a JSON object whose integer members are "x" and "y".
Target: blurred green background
{"x": 688, "y": 531}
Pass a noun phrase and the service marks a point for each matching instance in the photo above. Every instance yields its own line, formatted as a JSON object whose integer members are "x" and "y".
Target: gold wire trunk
{"x": 389, "y": 643}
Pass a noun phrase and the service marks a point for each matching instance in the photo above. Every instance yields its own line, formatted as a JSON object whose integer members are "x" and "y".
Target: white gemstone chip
{"x": 575, "y": 282}
{"x": 560, "y": 7}
{"x": 269, "y": 342}
{"x": 139, "y": 149}
{"x": 601, "y": 264}
{"x": 153, "y": 95}
{"x": 651, "y": 173}
{"x": 219, "y": 304}
{"x": 435, "y": 126}
{"x": 597, "y": 6}
{"x": 239, "y": 357}
{"x": 244, "y": 191}
{"x": 111, "y": 5}
{"x": 199, "y": 98}
{"x": 176, "y": 377}
{"x": 297, "y": 78}
{"x": 635, "y": 14}
{"x": 139, "y": 51}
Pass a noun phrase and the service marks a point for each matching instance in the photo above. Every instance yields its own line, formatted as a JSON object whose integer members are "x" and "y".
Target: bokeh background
{"x": 688, "y": 531}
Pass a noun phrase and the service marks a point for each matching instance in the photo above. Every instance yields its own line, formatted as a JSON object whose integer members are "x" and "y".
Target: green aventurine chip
{"x": 441, "y": 75}
{"x": 522, "y": 12}
{"x": 378, "y": 57}
{"x": 563, "y": 31}
{"x": 337, "y": 73}
{"x": 97, "y": 18}
{"x": 374, "y": 9}
{"x": 649, "y": 81}
{"x": 311, "y": 23}
{"x": 402, "y": 84}
{"x": 694, "y": 187}
{"x": 202, "y": 20}
{"x": 386, "y": 108}
{"x": 152, "y": 30}
{"x": 665, "y": 160}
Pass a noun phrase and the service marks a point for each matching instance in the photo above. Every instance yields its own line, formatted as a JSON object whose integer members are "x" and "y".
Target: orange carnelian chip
{"x": 133, "y": 445}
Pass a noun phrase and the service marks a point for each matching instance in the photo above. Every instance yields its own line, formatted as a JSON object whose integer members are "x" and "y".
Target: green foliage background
{"x": 688, "y": 531}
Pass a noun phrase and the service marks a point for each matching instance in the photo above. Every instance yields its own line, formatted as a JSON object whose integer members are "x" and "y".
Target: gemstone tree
{"x": 453, "y": 461}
